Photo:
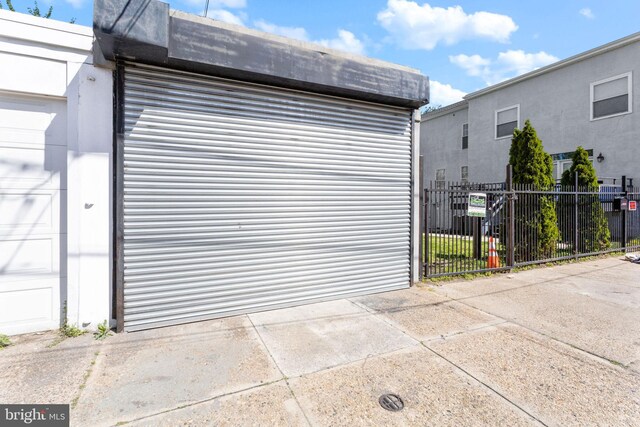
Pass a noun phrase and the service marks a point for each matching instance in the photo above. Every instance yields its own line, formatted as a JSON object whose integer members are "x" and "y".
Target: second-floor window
{"x": 611, "y": 97}
{"x": 465, "y": 136}
{"x": 507, "y": 120}
{"x": 464, "y": 173}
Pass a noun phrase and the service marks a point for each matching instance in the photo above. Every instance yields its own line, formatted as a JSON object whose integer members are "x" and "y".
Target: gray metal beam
{"x": 147, "y": 31}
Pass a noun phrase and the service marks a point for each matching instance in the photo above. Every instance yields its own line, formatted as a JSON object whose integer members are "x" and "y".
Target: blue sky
{"x": 462, "y": 46}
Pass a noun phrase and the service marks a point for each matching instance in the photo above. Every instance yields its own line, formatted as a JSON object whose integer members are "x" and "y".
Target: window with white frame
{"x": 507, "y": 120}
{"x": 611, "y": 97}
{"x": 465, "y": 136}
{"x": 440, "y": 178}
{"x": 464, "y": 173}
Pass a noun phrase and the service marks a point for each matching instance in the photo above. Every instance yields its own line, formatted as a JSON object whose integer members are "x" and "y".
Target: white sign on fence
{"x": 477, "y": 205}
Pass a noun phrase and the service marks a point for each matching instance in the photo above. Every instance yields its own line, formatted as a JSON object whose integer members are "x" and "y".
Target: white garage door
{"x": 240, "y": 198}
{"x": 33, "y": 160}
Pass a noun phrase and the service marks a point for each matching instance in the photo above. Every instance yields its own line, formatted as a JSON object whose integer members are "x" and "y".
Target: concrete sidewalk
{"x": 549, "y": 346}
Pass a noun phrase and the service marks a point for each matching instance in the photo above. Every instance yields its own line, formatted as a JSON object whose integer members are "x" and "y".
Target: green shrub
{"x": 593, "y": 233}
{"x": 535, "y": 217}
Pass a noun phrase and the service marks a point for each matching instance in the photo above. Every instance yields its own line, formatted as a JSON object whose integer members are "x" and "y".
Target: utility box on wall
{"x": 620, "y": 204}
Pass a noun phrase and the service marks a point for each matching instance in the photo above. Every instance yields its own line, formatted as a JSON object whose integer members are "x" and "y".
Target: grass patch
{"x": 4, "y": 341}
{"x": 463, "y": 276}
{"x": 471, "y": 276}
{"x": 451, "y": 253}
{"x": 567, "y": 261}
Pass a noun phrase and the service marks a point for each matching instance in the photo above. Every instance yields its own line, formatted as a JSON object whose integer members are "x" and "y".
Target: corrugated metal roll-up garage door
{"x": 241, "y": 197}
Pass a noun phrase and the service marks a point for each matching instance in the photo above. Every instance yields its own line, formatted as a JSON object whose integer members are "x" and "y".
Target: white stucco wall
{"x": 441, "y": 144}
{"x": 48, "y": 59}
{"x": 558, "y": 104}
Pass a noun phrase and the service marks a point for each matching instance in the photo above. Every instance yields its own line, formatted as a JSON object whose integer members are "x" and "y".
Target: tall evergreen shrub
{"x": 535, "y": 215}
{"x": 593, "y": 228}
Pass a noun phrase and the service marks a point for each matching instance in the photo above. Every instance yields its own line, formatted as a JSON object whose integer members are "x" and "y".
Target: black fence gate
{"x": 507, "y": 229}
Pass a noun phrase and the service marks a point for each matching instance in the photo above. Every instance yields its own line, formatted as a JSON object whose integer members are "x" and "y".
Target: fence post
{"x": 426, "y": 230}
{"x": 623, "y": 214}
{"x": 421, "y": 220}
{"x": 576, "y": 237}
{"x": 477, "y": 237}
{"x": 511, "y": 220}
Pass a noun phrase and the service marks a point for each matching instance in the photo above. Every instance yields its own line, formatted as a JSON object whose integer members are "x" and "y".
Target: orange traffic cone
{"x": 494, "y": 259}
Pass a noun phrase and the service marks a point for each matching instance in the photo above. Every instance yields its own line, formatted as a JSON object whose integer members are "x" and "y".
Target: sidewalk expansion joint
{"x": 511, "y": 402}
{"x": 85, "y": 379}
{"x": 382, "y": 316}
{"x": 552, "y": 338}
{"x": 198, "y": 402}
{"x": 286, "y": 380}
{"x": 493, "y": 324}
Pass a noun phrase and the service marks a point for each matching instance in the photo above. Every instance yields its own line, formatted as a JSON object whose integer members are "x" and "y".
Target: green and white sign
{"x": 477, "y": 205}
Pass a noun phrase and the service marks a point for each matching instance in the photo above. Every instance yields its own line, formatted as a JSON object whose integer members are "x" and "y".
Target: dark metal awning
{"x": 147, "y": 31}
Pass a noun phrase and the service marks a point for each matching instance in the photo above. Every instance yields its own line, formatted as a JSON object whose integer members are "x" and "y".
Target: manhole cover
{"x": 391, "y": 402}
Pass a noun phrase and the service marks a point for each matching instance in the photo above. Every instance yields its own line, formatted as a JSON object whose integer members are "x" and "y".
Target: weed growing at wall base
{"x": 4, "y": 341}
{"x": 68, "y": 330}
{"x": 103, "y": 331}
{"x": 71, "y": 331}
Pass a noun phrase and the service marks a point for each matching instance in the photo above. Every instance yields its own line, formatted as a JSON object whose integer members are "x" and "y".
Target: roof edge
{"x": 451, "y": 108}
{"x": 49, "y": 24}
{"x": 616, "y": 44}
{"x": 293, "y": 42}
{"x": 147, "y": 31}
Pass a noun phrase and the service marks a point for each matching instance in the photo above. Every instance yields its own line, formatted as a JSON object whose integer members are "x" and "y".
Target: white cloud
{"x": 444, "y": 94}
{"x": 298, "y": 33}
{"x": 587, "y": 13}
{"x": 216, "y": 4}
{"x": 507, "y": 65}
{"x": 475, "y": 65}
{"x": 76, "y": 3}
{"x": 519, "y": 62}
{"x": 225, "y": 16}
{"x": 346, "y": 41}
{"x": 423, "y": 27}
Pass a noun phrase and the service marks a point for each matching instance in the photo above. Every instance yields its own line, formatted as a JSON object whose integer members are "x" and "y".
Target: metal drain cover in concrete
{"x": 391, "y": 402}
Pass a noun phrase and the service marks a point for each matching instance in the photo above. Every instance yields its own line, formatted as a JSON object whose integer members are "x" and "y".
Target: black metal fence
{"x": 512, "y": 231}
{"x": 456, "y": 242}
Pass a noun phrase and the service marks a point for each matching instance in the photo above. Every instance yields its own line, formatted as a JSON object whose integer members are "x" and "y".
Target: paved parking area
{"x": 549, "y": 346}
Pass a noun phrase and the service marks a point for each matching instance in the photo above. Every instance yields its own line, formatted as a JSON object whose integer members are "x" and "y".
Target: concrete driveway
{"x": 549, "y": 346}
